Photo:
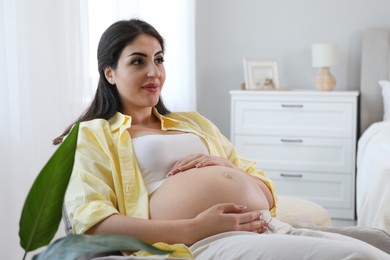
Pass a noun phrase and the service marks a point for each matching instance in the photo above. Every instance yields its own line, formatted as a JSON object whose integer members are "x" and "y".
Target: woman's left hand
{"x": 198, "y": 161}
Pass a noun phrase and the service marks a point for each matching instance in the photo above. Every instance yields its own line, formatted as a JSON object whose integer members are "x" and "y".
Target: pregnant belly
{"x": 188, "y": 193}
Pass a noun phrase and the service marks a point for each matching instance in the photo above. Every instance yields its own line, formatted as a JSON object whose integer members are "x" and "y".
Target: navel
{"x": 227, "y": 176}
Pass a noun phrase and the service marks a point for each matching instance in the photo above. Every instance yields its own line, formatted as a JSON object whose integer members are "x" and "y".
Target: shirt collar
{"x": 119, "y": 120}
{"x": 166, "y": 121}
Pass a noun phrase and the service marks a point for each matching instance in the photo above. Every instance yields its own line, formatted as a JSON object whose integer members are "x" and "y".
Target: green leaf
{"x": 42, "y": 210}
{"x": 73, "y": 246}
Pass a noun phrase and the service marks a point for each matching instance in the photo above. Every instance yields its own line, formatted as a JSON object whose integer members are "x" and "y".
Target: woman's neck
{"x": 143, "y": 124}
{"x": 144, "y": 118}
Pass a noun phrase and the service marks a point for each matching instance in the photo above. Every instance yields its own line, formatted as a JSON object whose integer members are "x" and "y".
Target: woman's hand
{"x": 198, "y": 161}
{"x": 227, "y": 217}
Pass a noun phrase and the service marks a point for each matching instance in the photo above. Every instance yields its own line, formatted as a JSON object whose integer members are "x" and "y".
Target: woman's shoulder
{"x": 97, "y": 123}
{"x": 193, "y": 118}
{"x": 111, "y": 124}
{"x": 98, "y": 131}
{"x": 188, "y": 116}
{"x": 185, "y": 115}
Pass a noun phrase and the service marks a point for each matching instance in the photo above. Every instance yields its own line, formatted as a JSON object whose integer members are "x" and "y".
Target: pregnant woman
{"x": 143, "y": 171}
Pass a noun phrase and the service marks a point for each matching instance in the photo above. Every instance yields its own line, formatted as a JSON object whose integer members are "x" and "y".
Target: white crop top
{"x": 156, "y": 154}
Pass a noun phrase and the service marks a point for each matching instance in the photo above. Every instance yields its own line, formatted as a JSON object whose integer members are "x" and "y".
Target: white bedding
{"x": 373, "y": 177}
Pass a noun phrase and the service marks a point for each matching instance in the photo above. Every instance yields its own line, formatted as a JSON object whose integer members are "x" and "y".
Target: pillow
{"x": 385, "y": 85}
{"x": 291, "y": 209}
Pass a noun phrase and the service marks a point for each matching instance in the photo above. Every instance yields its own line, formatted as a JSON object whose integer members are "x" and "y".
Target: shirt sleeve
{"x": 90, "y": 195}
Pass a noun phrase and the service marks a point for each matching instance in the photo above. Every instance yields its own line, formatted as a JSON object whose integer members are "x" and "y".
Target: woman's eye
{"x": 137, "y": 62}
{"x": 160, "y": 60}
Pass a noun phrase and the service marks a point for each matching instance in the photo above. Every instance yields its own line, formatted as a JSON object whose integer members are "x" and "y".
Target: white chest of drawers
{"x": 305, "y": 141}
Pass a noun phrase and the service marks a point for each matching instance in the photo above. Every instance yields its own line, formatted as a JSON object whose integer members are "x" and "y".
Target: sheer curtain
{"x": 41, "y": 68}
{"x": 47, "y": 78}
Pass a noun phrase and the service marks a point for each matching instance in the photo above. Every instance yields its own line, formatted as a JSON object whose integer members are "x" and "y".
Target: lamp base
{"x": 325, "y": 80}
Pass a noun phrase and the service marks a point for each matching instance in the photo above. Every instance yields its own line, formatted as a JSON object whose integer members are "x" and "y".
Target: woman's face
{"x": 140, "y": 74}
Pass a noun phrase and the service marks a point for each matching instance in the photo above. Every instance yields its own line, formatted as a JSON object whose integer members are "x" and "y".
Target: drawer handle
{"x": 291, "y": 140}
{"x": 292, "y": 106}
{"x": 289, "y": 175}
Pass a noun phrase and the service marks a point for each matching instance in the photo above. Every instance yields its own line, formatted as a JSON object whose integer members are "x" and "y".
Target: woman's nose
{"x": 153, "y": 71}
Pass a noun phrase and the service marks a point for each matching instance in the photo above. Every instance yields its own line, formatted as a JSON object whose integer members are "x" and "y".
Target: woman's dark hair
{"x": 106, "y": 101}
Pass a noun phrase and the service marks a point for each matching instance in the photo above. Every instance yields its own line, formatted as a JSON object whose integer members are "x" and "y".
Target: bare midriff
{"x": 188, "y": 193}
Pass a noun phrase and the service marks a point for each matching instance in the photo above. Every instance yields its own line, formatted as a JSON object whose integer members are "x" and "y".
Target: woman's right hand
{"x": 227, "y": 217}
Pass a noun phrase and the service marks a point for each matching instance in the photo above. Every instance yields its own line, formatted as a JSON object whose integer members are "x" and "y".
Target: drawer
{"x": 329, "y": 190}
{"x": 298, "y": 153}
{"x": 269, "y": 117}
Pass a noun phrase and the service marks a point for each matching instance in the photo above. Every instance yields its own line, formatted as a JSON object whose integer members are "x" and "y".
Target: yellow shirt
{"x": 106, "y": 178}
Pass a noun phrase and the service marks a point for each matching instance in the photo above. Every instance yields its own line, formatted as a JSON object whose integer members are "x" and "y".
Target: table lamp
{"x": 324, "y": 56}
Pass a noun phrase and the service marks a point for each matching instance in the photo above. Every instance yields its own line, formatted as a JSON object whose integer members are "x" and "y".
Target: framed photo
{"x": 261, "y": 75}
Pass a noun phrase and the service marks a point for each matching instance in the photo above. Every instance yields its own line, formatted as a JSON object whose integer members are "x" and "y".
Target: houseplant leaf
{"x": 42, "y": 210}
{"x": 74, "y": 246}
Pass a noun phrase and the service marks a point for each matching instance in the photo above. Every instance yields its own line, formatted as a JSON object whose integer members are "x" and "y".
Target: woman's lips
{"x": 151, "y": 87}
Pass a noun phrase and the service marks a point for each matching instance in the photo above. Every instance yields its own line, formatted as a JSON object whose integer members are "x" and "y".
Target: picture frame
{"x": 261, "y": 74}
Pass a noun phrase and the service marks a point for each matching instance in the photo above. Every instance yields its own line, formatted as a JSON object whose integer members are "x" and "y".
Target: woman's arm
{"x": 217, "y": 219}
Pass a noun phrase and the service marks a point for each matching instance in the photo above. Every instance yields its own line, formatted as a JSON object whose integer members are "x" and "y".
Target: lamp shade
{"x": 324, "y": 54}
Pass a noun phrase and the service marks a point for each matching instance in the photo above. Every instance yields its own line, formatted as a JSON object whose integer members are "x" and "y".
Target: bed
{"x": 373, "y": 155}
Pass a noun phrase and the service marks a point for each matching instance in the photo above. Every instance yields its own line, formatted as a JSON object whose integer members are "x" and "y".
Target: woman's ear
{"x": 109, "y": 74}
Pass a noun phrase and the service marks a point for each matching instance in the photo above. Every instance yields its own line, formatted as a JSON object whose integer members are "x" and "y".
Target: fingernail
{"x": 198, "y": 165}
{"x": 169, "y": 174}
{"x": 242, "y": 206}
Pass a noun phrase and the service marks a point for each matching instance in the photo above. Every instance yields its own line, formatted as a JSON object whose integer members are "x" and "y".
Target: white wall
{"x": 227, "y": 31}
